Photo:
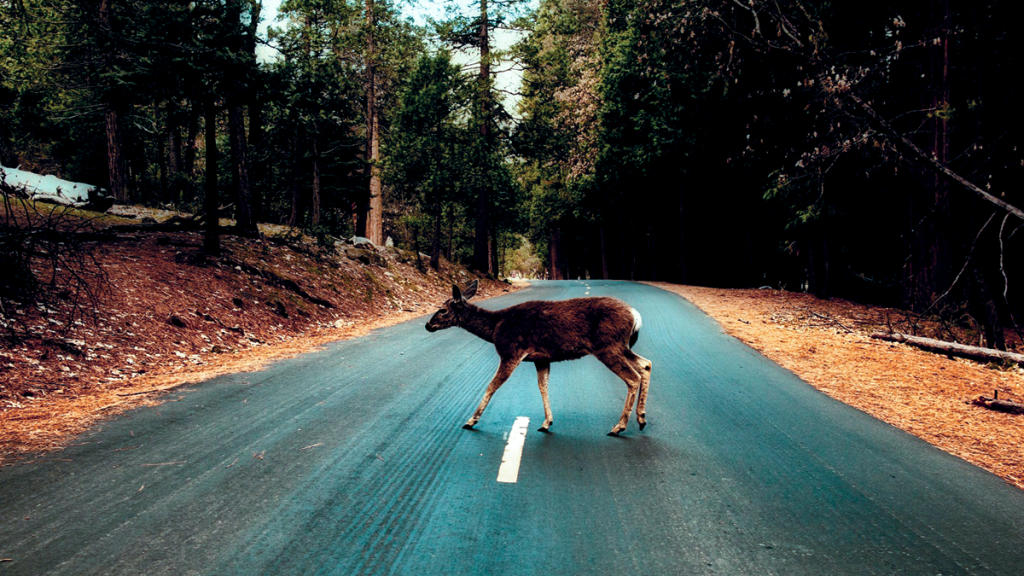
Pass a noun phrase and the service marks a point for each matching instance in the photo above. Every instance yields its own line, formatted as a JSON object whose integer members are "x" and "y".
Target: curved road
{"x": 352, "y": 461}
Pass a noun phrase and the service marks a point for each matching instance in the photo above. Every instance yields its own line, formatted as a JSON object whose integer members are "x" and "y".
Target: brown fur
{"x": 543, "y": 332}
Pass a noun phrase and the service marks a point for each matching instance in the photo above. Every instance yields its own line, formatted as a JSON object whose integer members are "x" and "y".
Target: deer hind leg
{"x": 505, "y": 369}
{"x": 618, "y": 362}
{"x": 643, "y": 366}
{"x": 543, "y": 370}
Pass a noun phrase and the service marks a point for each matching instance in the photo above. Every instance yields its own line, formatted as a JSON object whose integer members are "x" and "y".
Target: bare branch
{"x": 753, "y": 12}
{"x": 967, "y": 261}
{"x": 931, "y": 160}
{"x": 1002, "y": 260}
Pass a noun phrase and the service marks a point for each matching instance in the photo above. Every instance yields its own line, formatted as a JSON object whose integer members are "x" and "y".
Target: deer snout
{"x": 433, "y": 325}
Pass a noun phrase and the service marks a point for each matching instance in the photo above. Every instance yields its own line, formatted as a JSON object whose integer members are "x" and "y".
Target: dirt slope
{"x": 166, "y": 316}
{"x": 827, "y": 344}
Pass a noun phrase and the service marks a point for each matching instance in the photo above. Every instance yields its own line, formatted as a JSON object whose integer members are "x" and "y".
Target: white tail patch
{"x": 637, "y": 320}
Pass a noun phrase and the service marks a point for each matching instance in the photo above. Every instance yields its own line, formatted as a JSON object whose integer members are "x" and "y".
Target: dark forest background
{"x": 865, "y": 150}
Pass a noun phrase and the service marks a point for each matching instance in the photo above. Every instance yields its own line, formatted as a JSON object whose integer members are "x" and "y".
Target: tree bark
{"x": 254, "y": 95}
{"x": 493, "y": 266}
{"x": 257, "y": 159}
{"x": 375, "y": 211}
{"x": 189, "y": 154}
{"x": 481, "y": 253}
{"x": 174, "y": 152}
{"x": 115, "y": 160}
{"x": 435, "y": 240}
{"x": 244, "y": 220}
{"x": 315, "y": 205}
{"x": 211, "y": 239}
{"x": 555, "y": 253}
{"x": 112, "y": 117}
{"x": 295, "y": 220}
{"x": 933, "y": 251}
{"x": 952, "y": 348}
{"x": 604, "y": 252}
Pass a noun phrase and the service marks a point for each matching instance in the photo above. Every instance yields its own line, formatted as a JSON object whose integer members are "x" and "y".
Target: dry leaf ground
{"x": 827, "y": 344}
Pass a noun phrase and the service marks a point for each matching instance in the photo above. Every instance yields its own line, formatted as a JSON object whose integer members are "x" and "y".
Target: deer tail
{"x": 637, "y": 323}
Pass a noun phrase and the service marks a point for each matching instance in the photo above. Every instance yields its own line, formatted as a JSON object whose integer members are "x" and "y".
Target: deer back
{"x": 563, "y": 330}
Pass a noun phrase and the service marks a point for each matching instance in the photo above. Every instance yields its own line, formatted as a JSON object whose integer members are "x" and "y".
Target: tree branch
{"x": 930, "y": 160}
{"x": 967, "y": 261}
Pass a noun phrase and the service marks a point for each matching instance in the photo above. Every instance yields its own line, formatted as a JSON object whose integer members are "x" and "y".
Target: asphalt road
{"x": 353, "y": 461}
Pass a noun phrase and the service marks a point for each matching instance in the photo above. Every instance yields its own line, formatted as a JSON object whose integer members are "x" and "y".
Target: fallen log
{"x": 998, "y": 405}
{"x": 952, "y": 348}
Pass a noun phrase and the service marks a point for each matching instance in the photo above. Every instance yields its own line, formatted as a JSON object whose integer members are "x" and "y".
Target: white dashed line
{"x": 508, "y": 473}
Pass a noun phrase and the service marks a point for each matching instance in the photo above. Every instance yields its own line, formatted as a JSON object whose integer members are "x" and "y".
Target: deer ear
{"x": 456, "y": 293}
{"x": 470, "y": 290}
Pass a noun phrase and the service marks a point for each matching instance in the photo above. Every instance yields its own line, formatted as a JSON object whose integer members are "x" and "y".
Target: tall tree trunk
{"x": 211, "y": 240}
{"x": 435, "y": 240}
{"x": 604, "y": 252}
{"x": 115, "y": 160}
{"x": 315, "y": 205}
{"x": 244, "y": 220}
{"x": 294, "y": 183}
{"x": 112, "y": 116}
{"x": 254, "y": 98}
{"x": 257, "y": 159}
{"x": 375, "y": 213}
{"x": 449, "y": 251}
{"x": 493, "y": 268}
{"x": 819, "y": 254}
{"x": 555, "y": 253}
{"x": 236, "y": 89}
{"x": 174, "y": 152}
{"x": 481, "y": 258}
{"x": 189, "y": 156}
{"x": 933, "y": 249}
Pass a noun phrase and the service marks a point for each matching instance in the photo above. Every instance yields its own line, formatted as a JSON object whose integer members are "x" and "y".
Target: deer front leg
{"x": 543, "y": 370}
{"x": 504, "y": 371}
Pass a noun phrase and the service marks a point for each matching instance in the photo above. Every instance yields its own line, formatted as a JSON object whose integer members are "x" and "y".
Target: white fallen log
{"x": 48, "y": 188}
{"x": 952, "y": 348}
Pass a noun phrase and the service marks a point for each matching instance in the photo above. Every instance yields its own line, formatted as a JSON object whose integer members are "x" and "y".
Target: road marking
{"x": 508, "y": 472}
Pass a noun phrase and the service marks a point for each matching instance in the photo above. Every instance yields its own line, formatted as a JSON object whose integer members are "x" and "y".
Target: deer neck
{"x": 480, "y": 322}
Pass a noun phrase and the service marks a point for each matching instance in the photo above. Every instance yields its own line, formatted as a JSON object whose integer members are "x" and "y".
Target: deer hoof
{"x": 467, "y": 426}
{"x": 544, "y": 429}
{"x": 642, "y": 425}
{"x": 615, "y": 433}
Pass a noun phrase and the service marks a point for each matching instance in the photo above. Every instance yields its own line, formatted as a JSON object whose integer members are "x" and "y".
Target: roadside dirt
{"x": 827, "y": 343}
{"x": 166, "y": 317}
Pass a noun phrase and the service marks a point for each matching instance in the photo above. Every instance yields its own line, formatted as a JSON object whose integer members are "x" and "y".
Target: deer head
{"x": 453, "y": 310}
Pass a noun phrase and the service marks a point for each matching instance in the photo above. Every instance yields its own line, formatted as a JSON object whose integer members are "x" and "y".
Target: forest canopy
{"x": 867, "y": 151}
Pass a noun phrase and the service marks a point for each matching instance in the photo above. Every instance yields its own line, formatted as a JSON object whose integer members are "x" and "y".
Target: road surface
{"x": 352, "y": 460}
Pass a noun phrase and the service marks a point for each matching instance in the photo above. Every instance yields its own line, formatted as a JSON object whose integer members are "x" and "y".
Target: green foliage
{"x": 556, "y": 136}
{"x": 427, "y": 151}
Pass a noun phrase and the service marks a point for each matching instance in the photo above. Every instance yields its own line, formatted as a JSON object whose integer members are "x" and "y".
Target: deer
{"x": 542, "y": 332}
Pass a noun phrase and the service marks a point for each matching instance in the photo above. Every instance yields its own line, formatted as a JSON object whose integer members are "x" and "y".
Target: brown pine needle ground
{"x": 827, "y": 344}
